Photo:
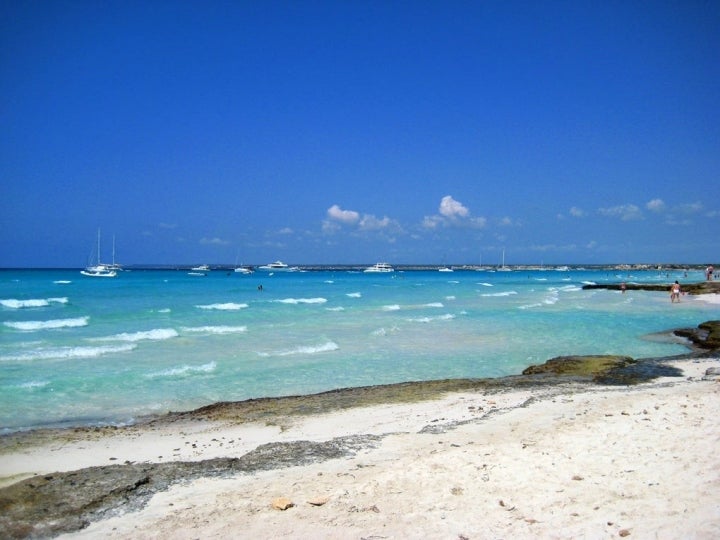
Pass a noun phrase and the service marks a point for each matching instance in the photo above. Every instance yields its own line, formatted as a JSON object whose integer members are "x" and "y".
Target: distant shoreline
{"x": 310, "y": 267}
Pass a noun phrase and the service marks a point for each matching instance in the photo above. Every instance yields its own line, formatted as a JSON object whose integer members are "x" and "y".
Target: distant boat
{"x": 278, "y": 266}
{"x": 201, "y": 268}
{"x": 243, "y": 270}
{"x": 445, "y": 269}
{"x": 99, "y": 269}
{"x": 504, "y": 268}
{"x": 379, "y": 268}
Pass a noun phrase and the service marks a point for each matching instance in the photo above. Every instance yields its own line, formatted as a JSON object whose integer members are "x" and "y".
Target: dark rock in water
{"x": 580, "y": 366}
{"x": 604, "y": 369}
{"x": 706, "y": 336}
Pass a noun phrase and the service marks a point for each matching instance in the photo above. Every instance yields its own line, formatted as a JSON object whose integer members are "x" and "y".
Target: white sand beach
{"x": 560, "y": 462}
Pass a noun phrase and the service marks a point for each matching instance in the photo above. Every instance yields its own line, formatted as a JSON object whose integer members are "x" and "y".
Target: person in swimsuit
{"x": 675, "y": 292}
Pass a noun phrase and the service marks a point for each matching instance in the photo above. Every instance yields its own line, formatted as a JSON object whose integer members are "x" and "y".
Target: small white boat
{"x": 200, "y": 268}
{"x": 243, "y": 270}
{"x": 379, "y": 268}
{"x": 277, "y": 266}
{"x": 504, "y": 268}
{"x": 445, "y": 269}
{"x": 99, "y": 269}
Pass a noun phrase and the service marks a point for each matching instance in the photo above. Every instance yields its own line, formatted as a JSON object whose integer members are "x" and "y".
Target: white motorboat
{"x": 200, "y": 268}
{"x": 379, "y": 268}
{"x": 243, "y": 270}
{"x": 277, "y": 266}
{"x": 445, "y": 269}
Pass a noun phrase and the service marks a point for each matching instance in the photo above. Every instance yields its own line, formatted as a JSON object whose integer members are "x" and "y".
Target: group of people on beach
{"x": 675, "y": 290}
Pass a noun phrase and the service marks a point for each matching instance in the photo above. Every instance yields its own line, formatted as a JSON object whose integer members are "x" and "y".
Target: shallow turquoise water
{"x": 77, "y": 350}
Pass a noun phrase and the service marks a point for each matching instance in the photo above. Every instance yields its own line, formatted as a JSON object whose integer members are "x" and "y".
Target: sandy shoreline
{"x": 562, "y": 461}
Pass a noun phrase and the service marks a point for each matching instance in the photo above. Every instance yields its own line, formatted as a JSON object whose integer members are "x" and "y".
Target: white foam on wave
{"x": 32, "y": 326}
{"x": 32, "y": 385}
{"x": 392, "y": 307}
{"x": 434, "y": 304}
{"x": 338, "y": 308}
{"x": 486, "y": 284}
{"x": 184, "y": 370}
{"x": 62, "y": 282}
{"x": 450, "y": 298}
{"x": 354, "y": 295}
{"x": 506, "y": 293}
{"x": 157, "y": 334}
{"x": 384, "y": 331}
{"x": 14, "y": 303}
{"x": 296, "y": 301}
{"x": 305, "y": 349}
{"x": 329, "y": 281}
{"x": 67, "y": 353}
{"x": 446, "y": 317}
{"x": 215, "y": 329}
{"x": 227, "y": 306}
{"x": 589, "y": 283}
{"x": 568, "y": 288}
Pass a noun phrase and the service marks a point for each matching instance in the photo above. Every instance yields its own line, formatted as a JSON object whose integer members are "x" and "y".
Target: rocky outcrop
{"x": 706, "y": 336}
{"x": 46, "y": 506}
{"x": 703, "y": 287}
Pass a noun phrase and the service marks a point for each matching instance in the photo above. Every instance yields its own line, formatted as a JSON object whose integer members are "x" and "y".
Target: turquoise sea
{"x": 76, "y": 350}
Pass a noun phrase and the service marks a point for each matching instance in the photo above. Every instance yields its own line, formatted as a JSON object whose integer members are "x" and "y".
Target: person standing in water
{"x": 675, "y": 292}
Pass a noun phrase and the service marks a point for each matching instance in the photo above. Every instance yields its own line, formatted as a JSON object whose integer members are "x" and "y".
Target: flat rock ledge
{"x": 703, "y": 287}
{"x": 49, "y": 505}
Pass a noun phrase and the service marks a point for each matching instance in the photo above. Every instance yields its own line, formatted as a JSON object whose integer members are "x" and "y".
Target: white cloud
{"x": 452, "y": 213}
{"x": 625, "y": 212}
{"x": 478, "y": 222}
{"x": 214, "y": 241}
{"x": 432, "y": 222}
{"x": 690, "y": 208}
{"x": 505, "y": 222}
{"x": 343, "y": 216}
{"x": 577, "y": 212}
{"x": 450, "y": 208}
{"x": 371, "y": 223}
{"x": 656, "y": 205}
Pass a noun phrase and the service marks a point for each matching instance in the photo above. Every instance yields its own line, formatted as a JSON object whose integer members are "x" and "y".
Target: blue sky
{"x": 351, "y": 132}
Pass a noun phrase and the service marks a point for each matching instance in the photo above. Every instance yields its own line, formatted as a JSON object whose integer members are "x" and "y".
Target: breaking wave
{"x": 302, "y": 301}
{"x": 184, "y": 370}
{"x": 32, "y": 326}
{"x": 14, "y": 303}
{"x": 215, "y": 329}
{"x": 158, "y": 334}
{"x": 66, "y": 353}
{"x": 309, "y": 349}
{"x": 228, "y": 306}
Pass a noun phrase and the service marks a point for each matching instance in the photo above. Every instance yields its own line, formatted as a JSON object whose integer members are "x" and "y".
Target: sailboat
{"x": 504, "y": 268}
{"x": 114, "y": 265}
{"x": 100, "y": 269}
